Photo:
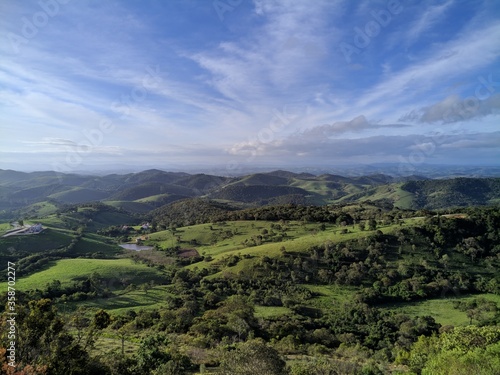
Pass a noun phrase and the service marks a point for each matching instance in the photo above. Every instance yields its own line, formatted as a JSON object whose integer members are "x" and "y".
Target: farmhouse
{"x": 37, "y": 228}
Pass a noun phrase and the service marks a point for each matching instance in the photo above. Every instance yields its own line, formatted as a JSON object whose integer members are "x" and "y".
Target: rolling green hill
{"x": 203, "y": 183}
{"x": 256, "y": 193}
{"x": 262, "y": 179}
{"x": 79, "y": 195}
{"x": 149, "y": 189}
{"x": 69, "y": 270}
{"x": 453, "y": 192}
{"x": 144, "y": 191}
{"x": 359, "y": 279}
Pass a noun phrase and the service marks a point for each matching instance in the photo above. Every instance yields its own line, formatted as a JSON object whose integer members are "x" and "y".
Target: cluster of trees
{"x": 190, "y": 334}
{"x": 212, "y": 321}
{"x": 199, "y": 211}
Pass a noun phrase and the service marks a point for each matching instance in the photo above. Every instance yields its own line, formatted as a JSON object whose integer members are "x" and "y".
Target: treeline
{"x": 200, "y": 211}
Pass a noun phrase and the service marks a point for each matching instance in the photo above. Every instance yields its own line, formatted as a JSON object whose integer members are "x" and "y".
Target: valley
{"x": 338, "y": 274}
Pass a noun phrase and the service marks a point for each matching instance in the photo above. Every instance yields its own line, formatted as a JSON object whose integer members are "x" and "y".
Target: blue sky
{"x": 239, "y": 83}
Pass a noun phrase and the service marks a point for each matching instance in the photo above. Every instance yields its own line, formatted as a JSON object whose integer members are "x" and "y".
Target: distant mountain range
{"x": 25, "y": 193}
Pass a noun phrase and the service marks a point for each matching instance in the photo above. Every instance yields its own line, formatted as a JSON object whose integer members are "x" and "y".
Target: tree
{"x": 123, "y": 328}
{"x": 238, "y": 325}
{"x": 477, "y": 361}
{"x": 152, "y": 353}
{"x": 372, "y": 224}
{"x": 252, "y": 358}
{"x": 43, "y": 342}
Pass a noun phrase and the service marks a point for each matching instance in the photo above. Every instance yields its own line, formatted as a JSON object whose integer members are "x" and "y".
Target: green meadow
{"x": 226, "y": 239}
{"x": 69, "y": 270}
{"x": 125, "y": 300}
{"x": 441, "y": 308}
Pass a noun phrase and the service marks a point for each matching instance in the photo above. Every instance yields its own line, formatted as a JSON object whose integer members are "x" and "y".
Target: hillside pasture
{"x": 131, "y": 206}
{"x": 441, "y": 308}
{"x": 95, "y": 245}
{"x": 47, "y": 240}
{"x": 39, "y": 209}
{"x": 327, "y": 296}
{"x": 79, "y": 195}
{"x": 299, "y": 238}
{"x": 114, "y": 272}
{"x": 125, "y": 300}
{"x": 4, "y": 227}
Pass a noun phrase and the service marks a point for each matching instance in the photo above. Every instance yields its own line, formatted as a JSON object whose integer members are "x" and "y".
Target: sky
{"x": 180, "y": 84}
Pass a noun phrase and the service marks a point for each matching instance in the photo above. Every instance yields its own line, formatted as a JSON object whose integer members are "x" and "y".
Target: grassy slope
{"x": 68, "y": 270}
{"x": 40, "y": 209}
{"x": 47, "y": 240}
{"x": 441, "y": 308}
{"x": 4, "y": 227}
{"x": 299, "y": 239}
{"x": 401, "y": 198}
{"x": 330, "y": 295}
{"x": 135, "y": 207}
{"x": 271, "y": 311}
{"x": 79, "y": 194}
{"x": 124, "y": 301}
{"x": 93, "y": 243}
{"x": 108, "y": 218}
{"x": 153, "y": 198}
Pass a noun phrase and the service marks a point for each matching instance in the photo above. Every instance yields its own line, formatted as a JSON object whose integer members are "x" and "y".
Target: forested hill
{"x": 453, "y": 192}
{"x": 25, "y": 194}
{"x": 239, "y": 275}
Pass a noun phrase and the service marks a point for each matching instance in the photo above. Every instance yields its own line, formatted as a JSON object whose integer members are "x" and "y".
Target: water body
{"x": 133, "y": 246}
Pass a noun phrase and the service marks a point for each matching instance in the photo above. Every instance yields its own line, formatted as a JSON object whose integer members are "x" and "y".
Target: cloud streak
{"x": 221, "y": 83}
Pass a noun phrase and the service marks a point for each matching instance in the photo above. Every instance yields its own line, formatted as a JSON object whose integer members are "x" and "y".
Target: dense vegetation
{"x": 28, "y": 194}
{"x": 276, "y": 289}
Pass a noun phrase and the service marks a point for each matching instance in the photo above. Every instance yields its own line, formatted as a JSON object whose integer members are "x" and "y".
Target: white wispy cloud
{"x": 430, "y": 15}
{"x": 471, "y": 52}
{"x": 456, "y": 109}
{"x": 276, "y": 56}
{"x": 221, "y": 94}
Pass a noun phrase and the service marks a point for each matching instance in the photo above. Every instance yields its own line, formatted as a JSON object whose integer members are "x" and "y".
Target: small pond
{"x": 133, "y": 246}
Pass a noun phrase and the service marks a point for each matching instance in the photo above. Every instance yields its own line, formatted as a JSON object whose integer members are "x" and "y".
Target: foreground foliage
{"x": 205, "y": 314}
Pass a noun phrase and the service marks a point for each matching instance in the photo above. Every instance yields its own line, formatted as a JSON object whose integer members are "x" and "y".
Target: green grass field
{"x": 94, "y": 244}
{"x": 441, "y": 308}
{"x": 46, "y": 240}
{"x": 299, "y": 237}
{"x": 330, "y": 295}
{"x": 108, "y": 218}
{"x": 401, "y": 198}
{"x": 39, "y": 209}
{"x": 108, "y": 344}
{"x": 68, "y": 270}
{"x": 153, "y": 198}
{"x": 136, "y": 207}
{"x": 4, "y": 227}
{"x": 124, "y": 301}
{"x": 78, "y": 194}
{"x": 271, "y": 311}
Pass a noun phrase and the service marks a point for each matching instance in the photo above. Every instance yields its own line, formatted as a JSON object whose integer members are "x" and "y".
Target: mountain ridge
{"x": 149, "y": 189}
